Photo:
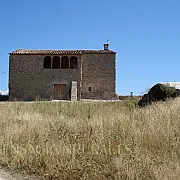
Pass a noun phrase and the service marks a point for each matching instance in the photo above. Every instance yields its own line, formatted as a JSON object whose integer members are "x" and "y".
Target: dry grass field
{"x": 92, "y": 140}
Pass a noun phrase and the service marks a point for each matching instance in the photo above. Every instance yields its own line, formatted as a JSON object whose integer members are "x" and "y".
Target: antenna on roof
{"x": 108, "y": 41}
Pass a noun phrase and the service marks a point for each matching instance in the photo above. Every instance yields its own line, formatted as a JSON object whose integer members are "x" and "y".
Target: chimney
{"x": 106, "y": 46}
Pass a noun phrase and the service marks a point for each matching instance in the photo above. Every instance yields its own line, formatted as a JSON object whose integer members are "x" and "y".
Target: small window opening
{"x": 89, "y": 88}
{"x": 47, "y": 62}
{"x": 64, "y": 62}
{"x": 73, "y": 63}
{"x": 56, "y": 62}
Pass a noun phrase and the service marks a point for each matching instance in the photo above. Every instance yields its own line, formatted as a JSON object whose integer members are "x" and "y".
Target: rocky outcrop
{"x": 158, "y": 92}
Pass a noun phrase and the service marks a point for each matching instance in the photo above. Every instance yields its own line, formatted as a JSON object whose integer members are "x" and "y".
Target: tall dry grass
{"x": 87, "y": 140}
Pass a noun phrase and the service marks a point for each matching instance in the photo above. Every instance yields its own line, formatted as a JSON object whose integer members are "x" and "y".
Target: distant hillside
{"x": 4, "y": 97}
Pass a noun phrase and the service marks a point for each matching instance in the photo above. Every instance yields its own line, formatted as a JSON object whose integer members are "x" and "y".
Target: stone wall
{"x": 28, "y": 79}
{"x": 95, "y": 77}
{"x": 98, "y": 76}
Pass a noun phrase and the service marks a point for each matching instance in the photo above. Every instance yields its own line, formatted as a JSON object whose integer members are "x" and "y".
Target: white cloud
{"x": 6, "y": 92}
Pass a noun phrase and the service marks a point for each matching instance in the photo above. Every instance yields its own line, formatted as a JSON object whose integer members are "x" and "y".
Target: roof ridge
{"x": 59, "y": 51}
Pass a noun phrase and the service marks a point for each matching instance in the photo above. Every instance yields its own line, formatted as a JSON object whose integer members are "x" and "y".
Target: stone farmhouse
{"x": 62, "y": 74}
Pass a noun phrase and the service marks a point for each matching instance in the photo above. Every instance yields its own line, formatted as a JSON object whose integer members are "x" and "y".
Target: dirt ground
{"x": 7, "y": 174}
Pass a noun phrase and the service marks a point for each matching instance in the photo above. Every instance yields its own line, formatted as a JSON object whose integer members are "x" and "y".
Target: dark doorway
{"x": 60, "y": 91}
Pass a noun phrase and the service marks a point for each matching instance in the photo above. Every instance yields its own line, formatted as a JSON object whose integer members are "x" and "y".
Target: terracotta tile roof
{"x": 59, "y": 52}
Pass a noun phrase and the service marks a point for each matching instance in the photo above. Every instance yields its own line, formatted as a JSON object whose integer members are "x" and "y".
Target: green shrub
{"x": 131, "y": 103}
{"x": 170, "y": 91}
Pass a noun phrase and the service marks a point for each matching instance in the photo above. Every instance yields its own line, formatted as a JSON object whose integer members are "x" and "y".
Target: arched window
{"x": 47, "y": 62}
{"x": 73, "y": 63}
{"x": 64, "y": 62}
{"x": 56, "y": 62}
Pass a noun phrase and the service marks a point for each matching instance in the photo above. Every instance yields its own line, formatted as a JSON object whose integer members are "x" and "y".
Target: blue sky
{"x": 145, "y": 35}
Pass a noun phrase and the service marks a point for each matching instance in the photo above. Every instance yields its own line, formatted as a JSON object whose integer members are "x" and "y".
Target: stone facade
{"x": 93, "y": 78}
{"x": 98, "y": 73}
